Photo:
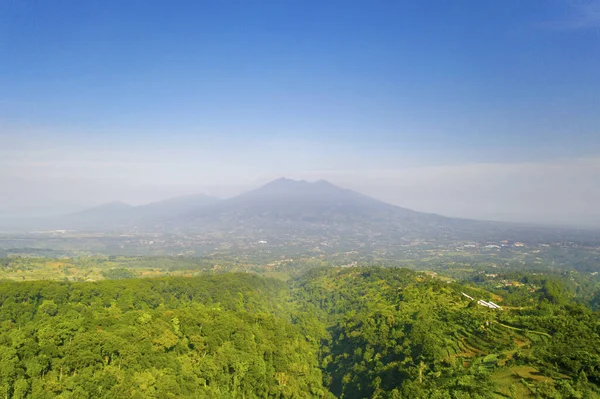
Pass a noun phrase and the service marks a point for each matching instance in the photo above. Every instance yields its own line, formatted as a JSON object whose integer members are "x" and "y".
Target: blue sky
{"x": 138, "y": 100}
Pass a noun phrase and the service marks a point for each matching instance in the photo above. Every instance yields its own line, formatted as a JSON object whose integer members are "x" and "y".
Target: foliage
{"x": 215, "y": 336}
{"x": 396, "y": 333}
{"x": 349, "y": 332}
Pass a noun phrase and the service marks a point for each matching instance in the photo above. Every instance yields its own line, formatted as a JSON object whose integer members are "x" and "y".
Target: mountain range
{"x": 291, "y": 205}
{"x": 292, "y": 208}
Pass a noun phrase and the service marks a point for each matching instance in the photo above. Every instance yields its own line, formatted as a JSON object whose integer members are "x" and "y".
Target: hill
{"x": 334, "y": 332}
{"x": 102, "y": 216}
{"x": 224, "y": 336}
{"x": 398, "y": 334}
{"x": 172, "y": 207}
{"x": 120, "y": 216}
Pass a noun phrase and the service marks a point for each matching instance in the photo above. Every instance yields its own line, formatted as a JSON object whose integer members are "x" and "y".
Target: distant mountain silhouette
{"x": 321, "y": 211}
{"x": 292, "y": 207}
{"x": 283, "y": 206}
{"x": 174, "y": 206}
{"x": 119, "y": 215}
{"x": 302, "y": 200}
{"x": 303, "y": 212}
{"x": 108, "y": 209}
{"x": 102, "y": 216}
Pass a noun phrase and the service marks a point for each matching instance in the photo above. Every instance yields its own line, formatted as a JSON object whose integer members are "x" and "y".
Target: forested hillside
{"x": 398, "y": 334}
{"x": 226, "y": 336}
{"x": 333, "y": 332}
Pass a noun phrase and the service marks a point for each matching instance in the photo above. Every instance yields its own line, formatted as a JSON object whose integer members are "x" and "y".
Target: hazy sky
{"x": 486, "y": 109}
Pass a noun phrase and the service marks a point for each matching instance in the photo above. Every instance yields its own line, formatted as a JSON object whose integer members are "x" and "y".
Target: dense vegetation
{"x": 397, "y": 334}
{"x": 333, "y": 332}
{"x": 225, "y": 336}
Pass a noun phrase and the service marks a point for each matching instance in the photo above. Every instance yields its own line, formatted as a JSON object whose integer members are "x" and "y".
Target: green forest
{"x": 345, "y": 332}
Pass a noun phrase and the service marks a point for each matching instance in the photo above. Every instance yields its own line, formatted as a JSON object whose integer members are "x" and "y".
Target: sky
{"x": 483, "y": 109}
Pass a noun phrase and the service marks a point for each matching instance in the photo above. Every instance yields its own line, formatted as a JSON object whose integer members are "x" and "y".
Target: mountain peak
{"x": 286, "y": 180}
{"x": 298, "y": 190}
{"x": 292, "y": 182}
{"x": 285, "y": 184}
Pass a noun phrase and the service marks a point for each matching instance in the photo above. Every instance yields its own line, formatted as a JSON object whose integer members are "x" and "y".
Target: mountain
{"x": 292, "y": 200}
{"x": 301, "y": 208}
{"x": 99, "y": 217}
{"x": 108, "y": 210}
{"x": 117, "y": 215}
{"x": 173, "y": 206}
{"x": 291, "y": 211}
{"x": 147, "y": 215}
{"x": 306, "y": 214}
